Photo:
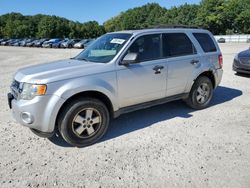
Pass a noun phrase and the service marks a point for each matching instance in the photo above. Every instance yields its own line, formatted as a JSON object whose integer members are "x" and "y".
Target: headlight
{"x": 29, "y": 91}
{"x": 236, "y": 57}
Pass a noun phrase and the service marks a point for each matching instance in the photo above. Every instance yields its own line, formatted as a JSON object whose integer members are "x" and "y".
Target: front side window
{"x": 147, "y": 47}
{"x": 177, "y": 44}
{"x": 105, "y": 48}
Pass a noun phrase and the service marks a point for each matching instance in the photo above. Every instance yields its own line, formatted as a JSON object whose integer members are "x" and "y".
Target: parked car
{"x": 14, "y": 42}
{"x": 81, "y": 43}
{"x": 3, "y": 41}
{"x": 32, "y": 43}
{"x": 25, "y": 42}
{"x": 88, "y": 43}
{"x": 40, "y": 42}
{"x": 7, "y": 42}
{"x": 70, "y": 43}
{"x": 248, "y": 40}
{"x": 241, "y": 62}
{"x": 49, "y": 43}
{"x": 119, "y": 73}
{"x": 58, "y": 44}
{"x": 221, "y": 40}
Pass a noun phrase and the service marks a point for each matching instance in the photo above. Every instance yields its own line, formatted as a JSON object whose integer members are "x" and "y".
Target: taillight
{"x": 220, "y": 59}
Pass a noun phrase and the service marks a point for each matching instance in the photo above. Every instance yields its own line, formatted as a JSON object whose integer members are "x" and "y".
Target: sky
{"x": 81, "y": 10}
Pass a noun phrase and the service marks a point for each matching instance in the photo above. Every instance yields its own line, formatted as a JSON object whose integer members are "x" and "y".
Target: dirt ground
{"x": 169, "y": 145}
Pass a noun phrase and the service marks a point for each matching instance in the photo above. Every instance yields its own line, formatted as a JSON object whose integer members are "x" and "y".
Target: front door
{"x": 146, "y": 80}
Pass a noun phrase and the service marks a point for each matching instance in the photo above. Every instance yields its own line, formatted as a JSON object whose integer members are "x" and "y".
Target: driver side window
{"x": 147, "y": 47}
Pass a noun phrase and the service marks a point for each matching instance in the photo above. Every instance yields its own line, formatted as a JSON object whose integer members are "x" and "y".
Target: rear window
{"x": 205, "y": 41}
{"x": 177, "y": 44}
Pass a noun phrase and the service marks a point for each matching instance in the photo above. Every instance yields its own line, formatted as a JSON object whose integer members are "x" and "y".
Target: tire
{"x": 83, "y": 122}
{"x": 42, "y": 134}
{"x": 200, "y": 94}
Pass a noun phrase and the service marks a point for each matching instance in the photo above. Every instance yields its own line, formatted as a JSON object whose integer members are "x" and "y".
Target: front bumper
{"x": 237, "y": 69}
{"x": 240, "y": 67}
{"x": 39, "y": 113}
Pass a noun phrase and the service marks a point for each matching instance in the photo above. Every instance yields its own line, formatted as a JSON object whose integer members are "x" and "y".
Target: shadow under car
{"x": 140, "y": 119}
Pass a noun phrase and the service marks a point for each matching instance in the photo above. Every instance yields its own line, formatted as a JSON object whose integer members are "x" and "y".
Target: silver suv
{"x": 119, "y": 73}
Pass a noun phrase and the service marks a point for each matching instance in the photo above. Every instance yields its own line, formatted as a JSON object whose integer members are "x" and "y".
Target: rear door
{"x": 182, "y": 60}
{"x": 210, "y": 49}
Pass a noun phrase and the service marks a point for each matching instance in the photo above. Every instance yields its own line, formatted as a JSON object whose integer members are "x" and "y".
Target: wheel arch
{"x": 92, "y": 94}
{"x": 208, "y": 74}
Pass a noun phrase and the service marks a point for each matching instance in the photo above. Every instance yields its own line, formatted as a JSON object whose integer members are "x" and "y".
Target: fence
{"x": 234, "y": 38}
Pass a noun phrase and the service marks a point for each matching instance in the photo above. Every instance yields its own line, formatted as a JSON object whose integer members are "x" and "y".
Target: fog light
{"x": 27, "y": 117}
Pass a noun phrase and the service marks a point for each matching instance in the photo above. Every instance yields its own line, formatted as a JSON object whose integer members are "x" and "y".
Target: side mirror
{"x": 130, "y": 58}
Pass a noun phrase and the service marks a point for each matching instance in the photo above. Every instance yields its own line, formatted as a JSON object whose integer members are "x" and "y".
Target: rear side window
{"x": 205, "y": 41}
{"x": 177, "y": 44}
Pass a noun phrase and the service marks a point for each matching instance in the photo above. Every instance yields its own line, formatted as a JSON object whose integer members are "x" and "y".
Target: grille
{"x": 15, "y": 87}
{"x": 245, "y": 61}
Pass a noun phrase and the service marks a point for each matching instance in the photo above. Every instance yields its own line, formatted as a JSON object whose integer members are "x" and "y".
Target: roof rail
{"x": 173, "y": 26}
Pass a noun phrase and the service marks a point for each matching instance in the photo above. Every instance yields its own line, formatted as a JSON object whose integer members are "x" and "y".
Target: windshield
{"x": 105, "y": 48}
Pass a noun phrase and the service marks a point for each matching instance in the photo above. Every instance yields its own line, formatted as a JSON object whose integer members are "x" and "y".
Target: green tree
{"x": 210, "y": 16}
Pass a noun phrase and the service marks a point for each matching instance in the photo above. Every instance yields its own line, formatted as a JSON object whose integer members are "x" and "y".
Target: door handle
{"x": 194, "y": 62}
{"x": 158, "y": 69}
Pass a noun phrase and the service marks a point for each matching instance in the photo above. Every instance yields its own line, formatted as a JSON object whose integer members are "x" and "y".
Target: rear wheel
{"x": 83, "y": 122}
{"x": 201, "y": 93}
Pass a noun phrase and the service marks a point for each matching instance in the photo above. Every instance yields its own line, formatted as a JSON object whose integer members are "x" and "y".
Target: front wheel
{"x": 201, "y": 93}
{"x": 83, "y": 122}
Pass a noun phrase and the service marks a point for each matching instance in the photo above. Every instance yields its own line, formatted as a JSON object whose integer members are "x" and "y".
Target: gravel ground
{"x": 169, "y": 145}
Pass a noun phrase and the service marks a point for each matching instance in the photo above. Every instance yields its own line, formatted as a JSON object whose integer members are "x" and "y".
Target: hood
{"x": 245, "y": 53}
{"x": 58, "y": 70}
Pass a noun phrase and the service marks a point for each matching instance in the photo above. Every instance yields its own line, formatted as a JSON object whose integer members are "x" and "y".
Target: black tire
{"x": 42, "y": 134}
{"x": 67, "y": 124}
{"x": 194, "y": 100}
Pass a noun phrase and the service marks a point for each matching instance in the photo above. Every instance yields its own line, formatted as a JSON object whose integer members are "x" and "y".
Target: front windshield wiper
{"x": 82, "y": 59}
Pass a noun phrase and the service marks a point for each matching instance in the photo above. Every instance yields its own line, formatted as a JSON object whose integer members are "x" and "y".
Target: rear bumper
{"x": 218, "y": 76}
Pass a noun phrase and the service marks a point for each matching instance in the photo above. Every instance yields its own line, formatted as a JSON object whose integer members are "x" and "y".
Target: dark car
{"x": 25, "y": 42}
{"x": 3, "y": 41}
{"x": 70, "y": 43}
{"x": 49, "y": 43}
{"x": 241, "y": 62}
{"x": 17, "y": 42}
{"x": 32, "y": 43}
{"x": 88, "y": 43}
{"x": 7, "y": 42}
{"x": 221, "y": 40}
{"x": 40, "y": 42}
{"x": 58, "y": 44}
{"x": 81, "y": 43}
{"x": 13, "y": 42}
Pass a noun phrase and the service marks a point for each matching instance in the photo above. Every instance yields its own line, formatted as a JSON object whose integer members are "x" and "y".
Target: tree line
{"x": 218, "y": 16}
{"x": 16, "y": 25}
